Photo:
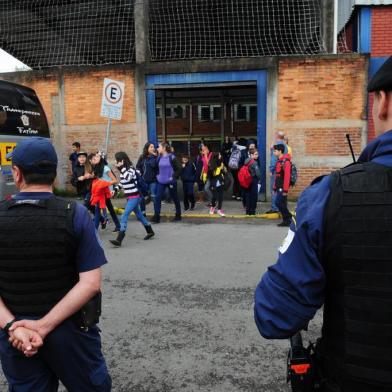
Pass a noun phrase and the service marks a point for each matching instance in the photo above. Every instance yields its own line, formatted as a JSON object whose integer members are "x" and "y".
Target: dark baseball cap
{"x": 382, "y": 80}
{"x": 35, "y": 155}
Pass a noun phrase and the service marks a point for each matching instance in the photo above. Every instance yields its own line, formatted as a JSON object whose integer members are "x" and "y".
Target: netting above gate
{"x": 191, "y": 29}
{"x": 45, "y": 33}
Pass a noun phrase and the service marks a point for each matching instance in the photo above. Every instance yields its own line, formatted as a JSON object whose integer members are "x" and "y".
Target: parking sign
{"x": 112, "y": 99}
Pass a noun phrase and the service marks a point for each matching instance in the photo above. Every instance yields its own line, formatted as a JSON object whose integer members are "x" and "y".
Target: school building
{"x": 192, "y": 72}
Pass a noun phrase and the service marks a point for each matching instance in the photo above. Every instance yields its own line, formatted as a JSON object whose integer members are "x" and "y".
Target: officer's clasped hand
{"x": 26, "y": 341}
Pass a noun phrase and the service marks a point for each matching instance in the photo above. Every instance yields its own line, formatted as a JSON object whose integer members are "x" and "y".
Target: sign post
{"x": 112, "y": 104}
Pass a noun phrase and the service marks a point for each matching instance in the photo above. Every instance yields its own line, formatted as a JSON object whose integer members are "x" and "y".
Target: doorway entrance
{"x": 186, "y": 109}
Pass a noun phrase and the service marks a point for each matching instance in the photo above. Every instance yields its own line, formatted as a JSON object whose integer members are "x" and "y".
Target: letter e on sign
{"x": 112, "y": 99}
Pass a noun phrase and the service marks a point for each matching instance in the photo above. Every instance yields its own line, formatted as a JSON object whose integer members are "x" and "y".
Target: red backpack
{"x": 244, "y": 177}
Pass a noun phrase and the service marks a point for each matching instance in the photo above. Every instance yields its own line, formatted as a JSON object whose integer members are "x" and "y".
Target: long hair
{"x": 98, "y": 169}
{"x": 87, "y": 167}
{"x": 145, "y": 149}
{"x": 166, "y": 146}
{"x": 214, "y": 162}
{"x": 123, "y": 156}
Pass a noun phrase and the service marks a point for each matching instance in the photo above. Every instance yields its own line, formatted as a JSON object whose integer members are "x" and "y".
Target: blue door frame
{"x": 258, "y": 76}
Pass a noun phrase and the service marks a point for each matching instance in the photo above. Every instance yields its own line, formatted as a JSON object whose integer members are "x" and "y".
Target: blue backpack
{"x": 142, "y": 185}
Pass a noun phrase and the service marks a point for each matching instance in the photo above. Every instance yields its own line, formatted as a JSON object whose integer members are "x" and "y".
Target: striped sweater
{"x": 128, "y": 182}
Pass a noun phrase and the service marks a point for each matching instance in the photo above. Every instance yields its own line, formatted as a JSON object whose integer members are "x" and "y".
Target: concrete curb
{"x": 276, "y": 216}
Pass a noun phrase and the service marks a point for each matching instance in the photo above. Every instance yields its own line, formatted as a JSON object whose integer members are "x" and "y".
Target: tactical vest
{"x": 37, "y": 254}
{"x": 357, "y": 331}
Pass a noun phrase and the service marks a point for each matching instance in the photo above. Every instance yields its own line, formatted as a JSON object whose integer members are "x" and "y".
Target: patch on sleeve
{"x": 287, "y": 241}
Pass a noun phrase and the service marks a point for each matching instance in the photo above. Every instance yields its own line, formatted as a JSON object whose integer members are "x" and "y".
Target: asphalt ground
{"x": 178, "y": 309}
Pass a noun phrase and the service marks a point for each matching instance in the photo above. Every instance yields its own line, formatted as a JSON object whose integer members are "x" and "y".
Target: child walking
{"x": 104, "y": 172}
{"x": 99, "y": 193}
{"x": 128, "y": 182}
{"x": 188, "y": 177}
{"x": 216, "y": 177}
{"x": 252, "y": 192}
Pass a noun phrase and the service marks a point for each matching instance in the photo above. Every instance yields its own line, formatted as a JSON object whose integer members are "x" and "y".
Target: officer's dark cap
{"x": 35, "y": 155}
{"x": 382, "y": 80}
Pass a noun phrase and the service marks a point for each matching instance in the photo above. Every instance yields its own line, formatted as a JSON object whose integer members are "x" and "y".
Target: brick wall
{"x": 381, "y": 40}
{"x": 319, "y": 101}
{"x": 381, "y": 45}
{"x": 72, "y": 103}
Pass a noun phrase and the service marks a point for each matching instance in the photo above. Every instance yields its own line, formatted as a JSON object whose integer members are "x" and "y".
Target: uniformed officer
{"x": 50, "y": 268}
{"x": 338, "y": 253}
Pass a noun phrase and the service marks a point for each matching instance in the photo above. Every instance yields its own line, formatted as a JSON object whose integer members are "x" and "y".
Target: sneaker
{"x": 233, "y": 197}
{"x": 212, "y": 210}
{"x": 238, "y": 198}
{"x": 116, "y": 230}
{"x": 192, "y": 208}
{"x": 177, "y": 218}
{"x": 284, "y": 224}
{"x": 186, "y": 209}
{"x": 221, "y": 213}
{"x": 209, "y": 205}
{"x": 271, "y": 212}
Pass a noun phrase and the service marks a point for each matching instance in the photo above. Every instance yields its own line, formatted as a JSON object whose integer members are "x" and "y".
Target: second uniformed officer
{"x": 50, "y": 279}
{"x": 339, "y": 253}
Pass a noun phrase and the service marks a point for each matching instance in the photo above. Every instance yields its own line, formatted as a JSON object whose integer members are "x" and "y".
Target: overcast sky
{"x": 8, "y": 63}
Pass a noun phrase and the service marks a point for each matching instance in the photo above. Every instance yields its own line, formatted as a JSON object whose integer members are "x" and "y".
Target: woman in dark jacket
{"x": 148, "y": 167}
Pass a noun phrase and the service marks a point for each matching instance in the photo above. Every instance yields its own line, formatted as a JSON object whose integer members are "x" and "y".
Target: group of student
{"x": 157, "y": 172}
{"x": 96, "y": 183}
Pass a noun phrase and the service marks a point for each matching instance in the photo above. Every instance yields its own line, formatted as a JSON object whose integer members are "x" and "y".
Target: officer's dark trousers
{"x": 281, "y": 202}
{"x": 68, "y": 354}
{"x": 251, "y": 195}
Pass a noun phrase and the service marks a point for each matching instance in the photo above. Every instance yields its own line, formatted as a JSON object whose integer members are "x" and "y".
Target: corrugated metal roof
{"x": 346, "y": 8}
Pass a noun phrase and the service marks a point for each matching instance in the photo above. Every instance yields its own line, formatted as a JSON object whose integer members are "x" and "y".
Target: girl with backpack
{"x": 104, "y": 172}
{"x": 169, "y": 170}
{"x": 129, "y": 183}
{"x": 251, "y": 193}
{"x": 234, "y": 166}
{"x": 148, "y": 168}
{"x": 216, "y": 170}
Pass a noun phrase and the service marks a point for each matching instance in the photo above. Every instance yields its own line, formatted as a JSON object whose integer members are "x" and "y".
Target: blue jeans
{"x": 98, "y": 215}
{"x": 173, "y": 194}
{"x": 274, "y": 206}
{"x": 133, "y": 205}
{"x": 152, "y": 187}
{"x": 68, "y": 354}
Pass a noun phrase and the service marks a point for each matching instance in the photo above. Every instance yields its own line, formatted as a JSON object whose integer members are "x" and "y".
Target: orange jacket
{"x": 100, "y": 192}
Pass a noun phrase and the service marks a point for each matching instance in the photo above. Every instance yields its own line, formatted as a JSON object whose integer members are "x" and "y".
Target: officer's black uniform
{"x": 40, "y": 261}
{"x": 339, "y": 253}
